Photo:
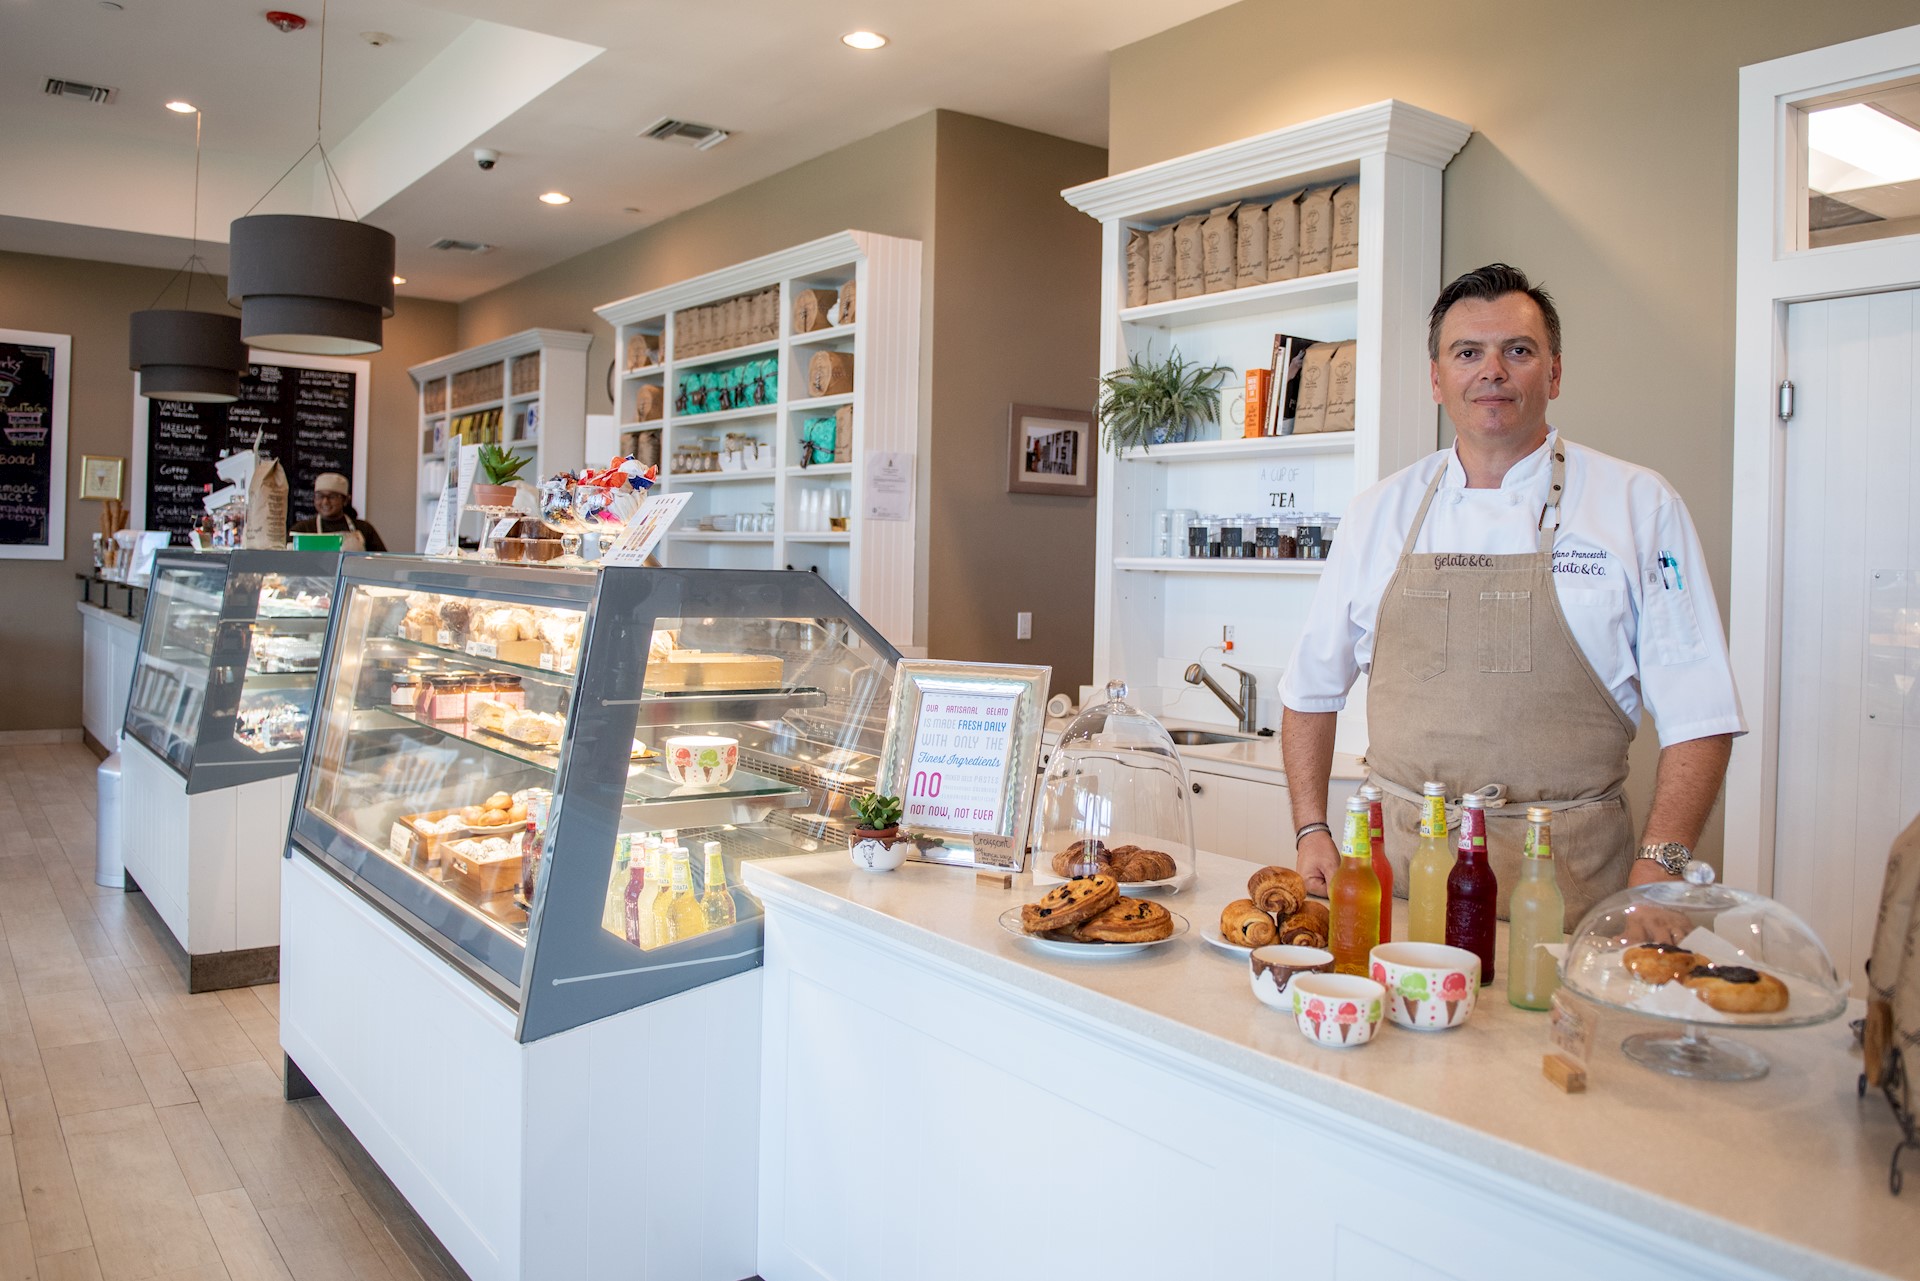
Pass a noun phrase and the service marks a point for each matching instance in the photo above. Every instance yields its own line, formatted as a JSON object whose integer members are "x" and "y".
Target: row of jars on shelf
{"x": 1183, "y": 533}
{"x": 816, "y": 510}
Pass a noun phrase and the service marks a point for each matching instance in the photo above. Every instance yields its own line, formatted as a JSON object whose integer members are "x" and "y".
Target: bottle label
{"x": 1537, "y": 844}
{"x": 716, "y": 870}
{"x": 1359, "y": 835}
{"x": 1433, "y": 823}
{"x": 1473, "y": 831}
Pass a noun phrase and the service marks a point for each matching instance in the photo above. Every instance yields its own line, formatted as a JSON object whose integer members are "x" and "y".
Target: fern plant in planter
{"x": 1154, "y": 402}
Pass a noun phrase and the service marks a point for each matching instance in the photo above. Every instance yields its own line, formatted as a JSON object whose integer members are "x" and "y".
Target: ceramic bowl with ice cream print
{"x": 701, "y": 760}
{"x": 1337, "y": 1010}
{"x": 1430, "y": 986}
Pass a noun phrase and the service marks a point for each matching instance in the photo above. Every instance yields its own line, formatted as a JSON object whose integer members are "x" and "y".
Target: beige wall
{"x": 1017, "y": 314}
{"x": 39, "y": 630}
{"x": 1603, "y": 163}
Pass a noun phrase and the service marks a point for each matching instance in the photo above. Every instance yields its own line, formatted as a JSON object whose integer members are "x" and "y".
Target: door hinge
{"x": 1786, "y": 400}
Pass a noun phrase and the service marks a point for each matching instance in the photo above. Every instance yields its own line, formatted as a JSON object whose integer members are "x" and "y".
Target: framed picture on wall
{"x": 1050, "y": 451}
{"x": 101, "y": 477}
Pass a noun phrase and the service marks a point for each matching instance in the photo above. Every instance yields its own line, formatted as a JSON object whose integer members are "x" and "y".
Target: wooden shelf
{"x": 731, "y": 353}
{"x": 717, "y": 477}
{"x": 717, "y": 536}
{"x": 1274, "y": 299}
{"x": 645, "y": 371}
{"x": 821, "y": 469}
{"x": 830, "y": 536}
{"x": 815, "y": 337}
{"x": 821, "y": 402}
{"x": 1186, "y": 565}
{"x": 725, "y": 416}
{"x": 1191, "y": 451}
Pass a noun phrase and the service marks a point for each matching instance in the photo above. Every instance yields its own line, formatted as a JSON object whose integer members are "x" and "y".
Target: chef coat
{"x": 1627, "y": 568}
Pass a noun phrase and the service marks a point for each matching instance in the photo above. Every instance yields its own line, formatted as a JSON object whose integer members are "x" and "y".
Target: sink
{"x": 1198, "y": 737}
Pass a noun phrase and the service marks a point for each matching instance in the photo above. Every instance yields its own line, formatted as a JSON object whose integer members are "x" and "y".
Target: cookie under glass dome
{"x": 1114, "y": 799}
{"x": 1749, "y": 939}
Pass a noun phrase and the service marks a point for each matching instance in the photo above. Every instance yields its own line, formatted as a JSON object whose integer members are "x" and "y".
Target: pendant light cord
{"x": 193, "y": 255}
{"x": 336, "y": 187}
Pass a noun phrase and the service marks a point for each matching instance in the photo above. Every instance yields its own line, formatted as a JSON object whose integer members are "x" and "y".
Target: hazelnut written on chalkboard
{"x": 961, "y": 750}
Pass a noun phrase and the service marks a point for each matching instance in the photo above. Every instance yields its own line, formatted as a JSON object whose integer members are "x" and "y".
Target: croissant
{"x": 1278, "y": 891}
{"x": 1307, "y": 927}
{"x": 1243, "y": 923}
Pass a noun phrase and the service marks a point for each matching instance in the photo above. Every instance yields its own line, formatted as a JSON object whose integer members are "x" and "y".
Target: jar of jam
{"x": 449, "y": 698}
{"x": 510, "y": 690}
{"x": 406, "y": 692}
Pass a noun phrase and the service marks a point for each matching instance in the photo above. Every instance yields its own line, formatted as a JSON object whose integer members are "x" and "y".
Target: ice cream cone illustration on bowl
{"x": 1380, "y": 975}
{"x": 1316, "y": 1014}
{"x": 1413, "y": 990}
{"x": 1346, "y": 1016}
{"x": 1453, "y": 990}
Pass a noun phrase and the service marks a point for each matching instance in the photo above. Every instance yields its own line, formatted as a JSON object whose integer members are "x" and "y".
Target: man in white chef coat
{"x": 1516, "y": 602}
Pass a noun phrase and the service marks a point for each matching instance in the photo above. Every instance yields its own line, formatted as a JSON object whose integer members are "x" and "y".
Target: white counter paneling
{"x": 109, "y": 643}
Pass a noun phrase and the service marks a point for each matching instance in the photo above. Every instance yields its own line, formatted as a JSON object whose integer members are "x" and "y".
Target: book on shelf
{"x": 1289, "y": 354}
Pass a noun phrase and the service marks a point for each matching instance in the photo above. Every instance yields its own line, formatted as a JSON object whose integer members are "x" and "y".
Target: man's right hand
{"x": 1317, "y": 858}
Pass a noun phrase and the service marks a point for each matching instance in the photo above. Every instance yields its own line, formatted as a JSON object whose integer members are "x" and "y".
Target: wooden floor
{"x": 144, "y": 1134}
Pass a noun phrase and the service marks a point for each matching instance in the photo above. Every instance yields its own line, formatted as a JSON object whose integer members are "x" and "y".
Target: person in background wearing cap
{"x": 334, "y": 514}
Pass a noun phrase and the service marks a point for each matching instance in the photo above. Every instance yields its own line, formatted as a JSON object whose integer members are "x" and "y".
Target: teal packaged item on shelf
{"x": 730, "y": 388}
{"x": 817, "y": 436}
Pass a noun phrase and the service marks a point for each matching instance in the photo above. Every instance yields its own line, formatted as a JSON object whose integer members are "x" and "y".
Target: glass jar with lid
{"x": 1115, "y": 799}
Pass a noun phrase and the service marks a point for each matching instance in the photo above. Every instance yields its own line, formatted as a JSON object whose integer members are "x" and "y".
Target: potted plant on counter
{"x": 1155, "y": 402}
{"x": 875, "y": 843}
{"x": 499, "y": 468}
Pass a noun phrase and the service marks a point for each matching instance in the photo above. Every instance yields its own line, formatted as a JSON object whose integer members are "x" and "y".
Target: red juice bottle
{"x": 1472, "y": 890}
{"x": 636, "y": 890}
{"x": 1382, "y": 866}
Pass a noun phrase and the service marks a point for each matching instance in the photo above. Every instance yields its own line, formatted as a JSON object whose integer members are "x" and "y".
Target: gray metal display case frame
{"x": 215, "y": 758}
{"x": 570, "y": 971}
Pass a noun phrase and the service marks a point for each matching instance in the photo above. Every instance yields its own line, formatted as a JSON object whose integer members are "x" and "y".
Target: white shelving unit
{"x": 871, "y": 562}
{"x": 556, "y": 408}
{"x": 1155, "y": 615}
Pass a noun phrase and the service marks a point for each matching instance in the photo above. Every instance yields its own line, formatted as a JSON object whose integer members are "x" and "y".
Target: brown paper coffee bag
{"x": 1250, "y": 252}
{"x": 829, "y": 373}
{"x": 1316, "y": 231}
{"x": 1283, "y": 238}
{"x": 1310, "y": 414}
{"x": 1136, "y": 269}
{"x": 1346, "y": 227}
{"x": 1340, "y": 389}
{"x": 843, "y": 434}
{"x": 1189, "y": 258}
{"x": 810, "y": 310}
{"x": 266, "y": 525}
{"x": 1218, "y": 240}
{"x": 848, "y": 300}
{"x": 649, "y": 402}
{"x": 1160, "y": 265}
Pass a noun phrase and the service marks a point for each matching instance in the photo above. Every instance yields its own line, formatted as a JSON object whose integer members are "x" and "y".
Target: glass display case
{"x": 552, "y": 776}
{"x": 229, "y": 653}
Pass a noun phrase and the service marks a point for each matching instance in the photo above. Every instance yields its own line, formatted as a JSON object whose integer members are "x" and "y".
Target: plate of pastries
{"x": 1276, "y": 910}
{"x": 1730, "y": 989}
{"x": 1133, "y": 866}
{"x": 1089, "y": 916}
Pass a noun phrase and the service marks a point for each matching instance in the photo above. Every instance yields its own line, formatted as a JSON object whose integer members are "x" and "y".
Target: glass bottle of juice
{"x": 716, "y": 900}
{"x": 1353, "y": 897}
{"x": 677, "y": 914}
{"x": 1382, "y": 866}
{"x": 635, "y": 903}
{"x": 532, "y": 844}
{"x": 1472, "y": 889}
{"x": 654, "y": 890}
{"x": 1536, "y": 914}
{"x": 613, "y": 914}
{"x": 1427, "y": 875}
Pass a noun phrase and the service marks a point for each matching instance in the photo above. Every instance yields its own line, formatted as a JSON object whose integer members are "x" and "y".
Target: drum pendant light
{"x": 187, "y": 355}
{"x": 311, "y": 284}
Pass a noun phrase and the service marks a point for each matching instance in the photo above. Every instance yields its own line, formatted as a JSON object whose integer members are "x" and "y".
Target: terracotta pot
{"x": 884, "y": 835}
{"x": 493, "y": 495}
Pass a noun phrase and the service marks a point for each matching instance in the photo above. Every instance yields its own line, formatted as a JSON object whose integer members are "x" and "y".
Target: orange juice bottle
{"x": 1354, "y": 895}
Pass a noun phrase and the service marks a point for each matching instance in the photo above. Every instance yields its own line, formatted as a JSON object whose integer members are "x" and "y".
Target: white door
{"x": 1850, "y": 630}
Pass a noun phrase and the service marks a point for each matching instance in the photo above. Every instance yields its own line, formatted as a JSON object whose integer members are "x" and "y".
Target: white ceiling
{"x": 560, "y": 89}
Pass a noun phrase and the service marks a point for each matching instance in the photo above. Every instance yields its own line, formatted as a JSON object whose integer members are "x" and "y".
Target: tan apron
{"x": 1477, "y": 683}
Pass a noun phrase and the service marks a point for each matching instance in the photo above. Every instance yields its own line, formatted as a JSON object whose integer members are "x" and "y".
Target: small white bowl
{"x": 700, "y": 760}
{"x": 1273, "y": 968}
{"x": 1339, "y": 1011}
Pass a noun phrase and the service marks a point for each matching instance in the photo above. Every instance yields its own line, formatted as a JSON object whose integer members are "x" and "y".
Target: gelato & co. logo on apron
{"x": 1458, "y": 560}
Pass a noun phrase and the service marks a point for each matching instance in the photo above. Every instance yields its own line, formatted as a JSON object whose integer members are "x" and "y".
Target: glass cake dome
{"x": 1703, "y": 955}
{"x": 1115, "y": 800}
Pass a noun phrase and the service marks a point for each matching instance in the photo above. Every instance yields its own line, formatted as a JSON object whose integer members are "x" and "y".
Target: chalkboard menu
{"x": 27, "y": 480}
{"x": 303, "y": 417}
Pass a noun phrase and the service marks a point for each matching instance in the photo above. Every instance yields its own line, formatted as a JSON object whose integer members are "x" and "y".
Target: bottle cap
{"x": 1434, "y": 789}
{"x": 710, "y": 848}
{"x": 1539, "y": 814}
{"x": 1473, "y": 801}
{"x": 1370, "y": 793}
{"x": 1357, "y": 805}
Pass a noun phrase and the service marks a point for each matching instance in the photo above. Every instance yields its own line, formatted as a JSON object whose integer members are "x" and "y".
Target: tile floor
{"x": 143, "y": 1134}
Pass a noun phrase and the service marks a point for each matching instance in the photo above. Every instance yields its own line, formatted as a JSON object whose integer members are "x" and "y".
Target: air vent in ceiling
{"x": 699, "y": 137}
{"x": 59, "y": 88}
{"x": 463, "y": 246}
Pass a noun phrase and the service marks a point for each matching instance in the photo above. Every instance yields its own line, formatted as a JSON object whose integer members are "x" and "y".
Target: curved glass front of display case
{"x": 553, "y": 775}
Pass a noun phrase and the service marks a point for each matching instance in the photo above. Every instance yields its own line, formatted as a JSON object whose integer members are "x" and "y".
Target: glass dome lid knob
{"x": 1116, "y": 690}
{"x": 1698, "y": 873}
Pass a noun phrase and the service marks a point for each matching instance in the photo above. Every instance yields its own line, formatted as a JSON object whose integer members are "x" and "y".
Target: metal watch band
{"x": 1671, "y": 855}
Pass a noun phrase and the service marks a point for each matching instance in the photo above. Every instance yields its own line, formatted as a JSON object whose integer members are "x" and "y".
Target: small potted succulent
{"x": 875, "y": 844}
{"x": 499, "y": 468}
{"x": 1156, "y": 402}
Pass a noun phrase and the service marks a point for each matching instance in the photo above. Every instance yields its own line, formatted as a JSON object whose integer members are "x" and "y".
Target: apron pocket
{"x": 1506, "y": 631}
{"x": 1424, "y": 627}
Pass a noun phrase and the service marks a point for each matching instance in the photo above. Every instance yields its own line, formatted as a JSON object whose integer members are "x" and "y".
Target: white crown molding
{"x": 1392, "y": 128}
{"x": 500, "y": 349}
{"x": 838, "y": 250}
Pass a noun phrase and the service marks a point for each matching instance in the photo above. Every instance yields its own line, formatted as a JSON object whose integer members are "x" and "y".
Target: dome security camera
{"x": 486, "y": 158}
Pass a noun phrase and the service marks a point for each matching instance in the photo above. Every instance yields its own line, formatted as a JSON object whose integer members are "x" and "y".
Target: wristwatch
{"x": 1673, "y": 856}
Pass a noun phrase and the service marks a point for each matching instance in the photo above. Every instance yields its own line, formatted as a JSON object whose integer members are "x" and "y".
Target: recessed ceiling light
{"x": 556, "y": 198}
{"x": 399, "y": 280}
{"x": 863, "y": 40}
{"x": 184, "y": 108}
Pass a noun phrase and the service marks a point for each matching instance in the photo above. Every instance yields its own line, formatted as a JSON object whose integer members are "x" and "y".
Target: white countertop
{"x": 1256, "y": 758}
{"x": 112, "y": 616}
{"x": 1788, "y": 1173}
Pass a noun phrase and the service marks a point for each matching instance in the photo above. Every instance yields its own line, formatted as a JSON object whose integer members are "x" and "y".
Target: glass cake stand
{"x": 1730, "y": 928}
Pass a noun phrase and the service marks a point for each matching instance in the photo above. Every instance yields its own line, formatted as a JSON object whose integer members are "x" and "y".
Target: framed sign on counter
{"x": 33, "y": 444}
{"x": 961, "y": 751}
{"x": 308, "y": 412}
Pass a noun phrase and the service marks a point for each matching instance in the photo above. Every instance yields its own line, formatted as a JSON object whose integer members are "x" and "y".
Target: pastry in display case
{"x": 229, "y": 653}
{"x": 551, "y": 776}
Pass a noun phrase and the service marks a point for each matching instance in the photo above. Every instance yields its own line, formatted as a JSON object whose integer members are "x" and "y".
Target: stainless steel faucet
{"x": 1242, "y": 707}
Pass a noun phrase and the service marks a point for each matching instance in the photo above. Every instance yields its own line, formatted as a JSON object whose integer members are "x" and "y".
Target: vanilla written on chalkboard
{"x": 302, "y": 417}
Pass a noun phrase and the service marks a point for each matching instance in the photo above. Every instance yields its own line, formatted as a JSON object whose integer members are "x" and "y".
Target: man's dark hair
{"x": 1495, "y": 280}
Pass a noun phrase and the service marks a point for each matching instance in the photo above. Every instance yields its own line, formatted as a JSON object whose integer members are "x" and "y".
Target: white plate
{"x": 1219, "y": 940}
{"x": 1010, "y": 922}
